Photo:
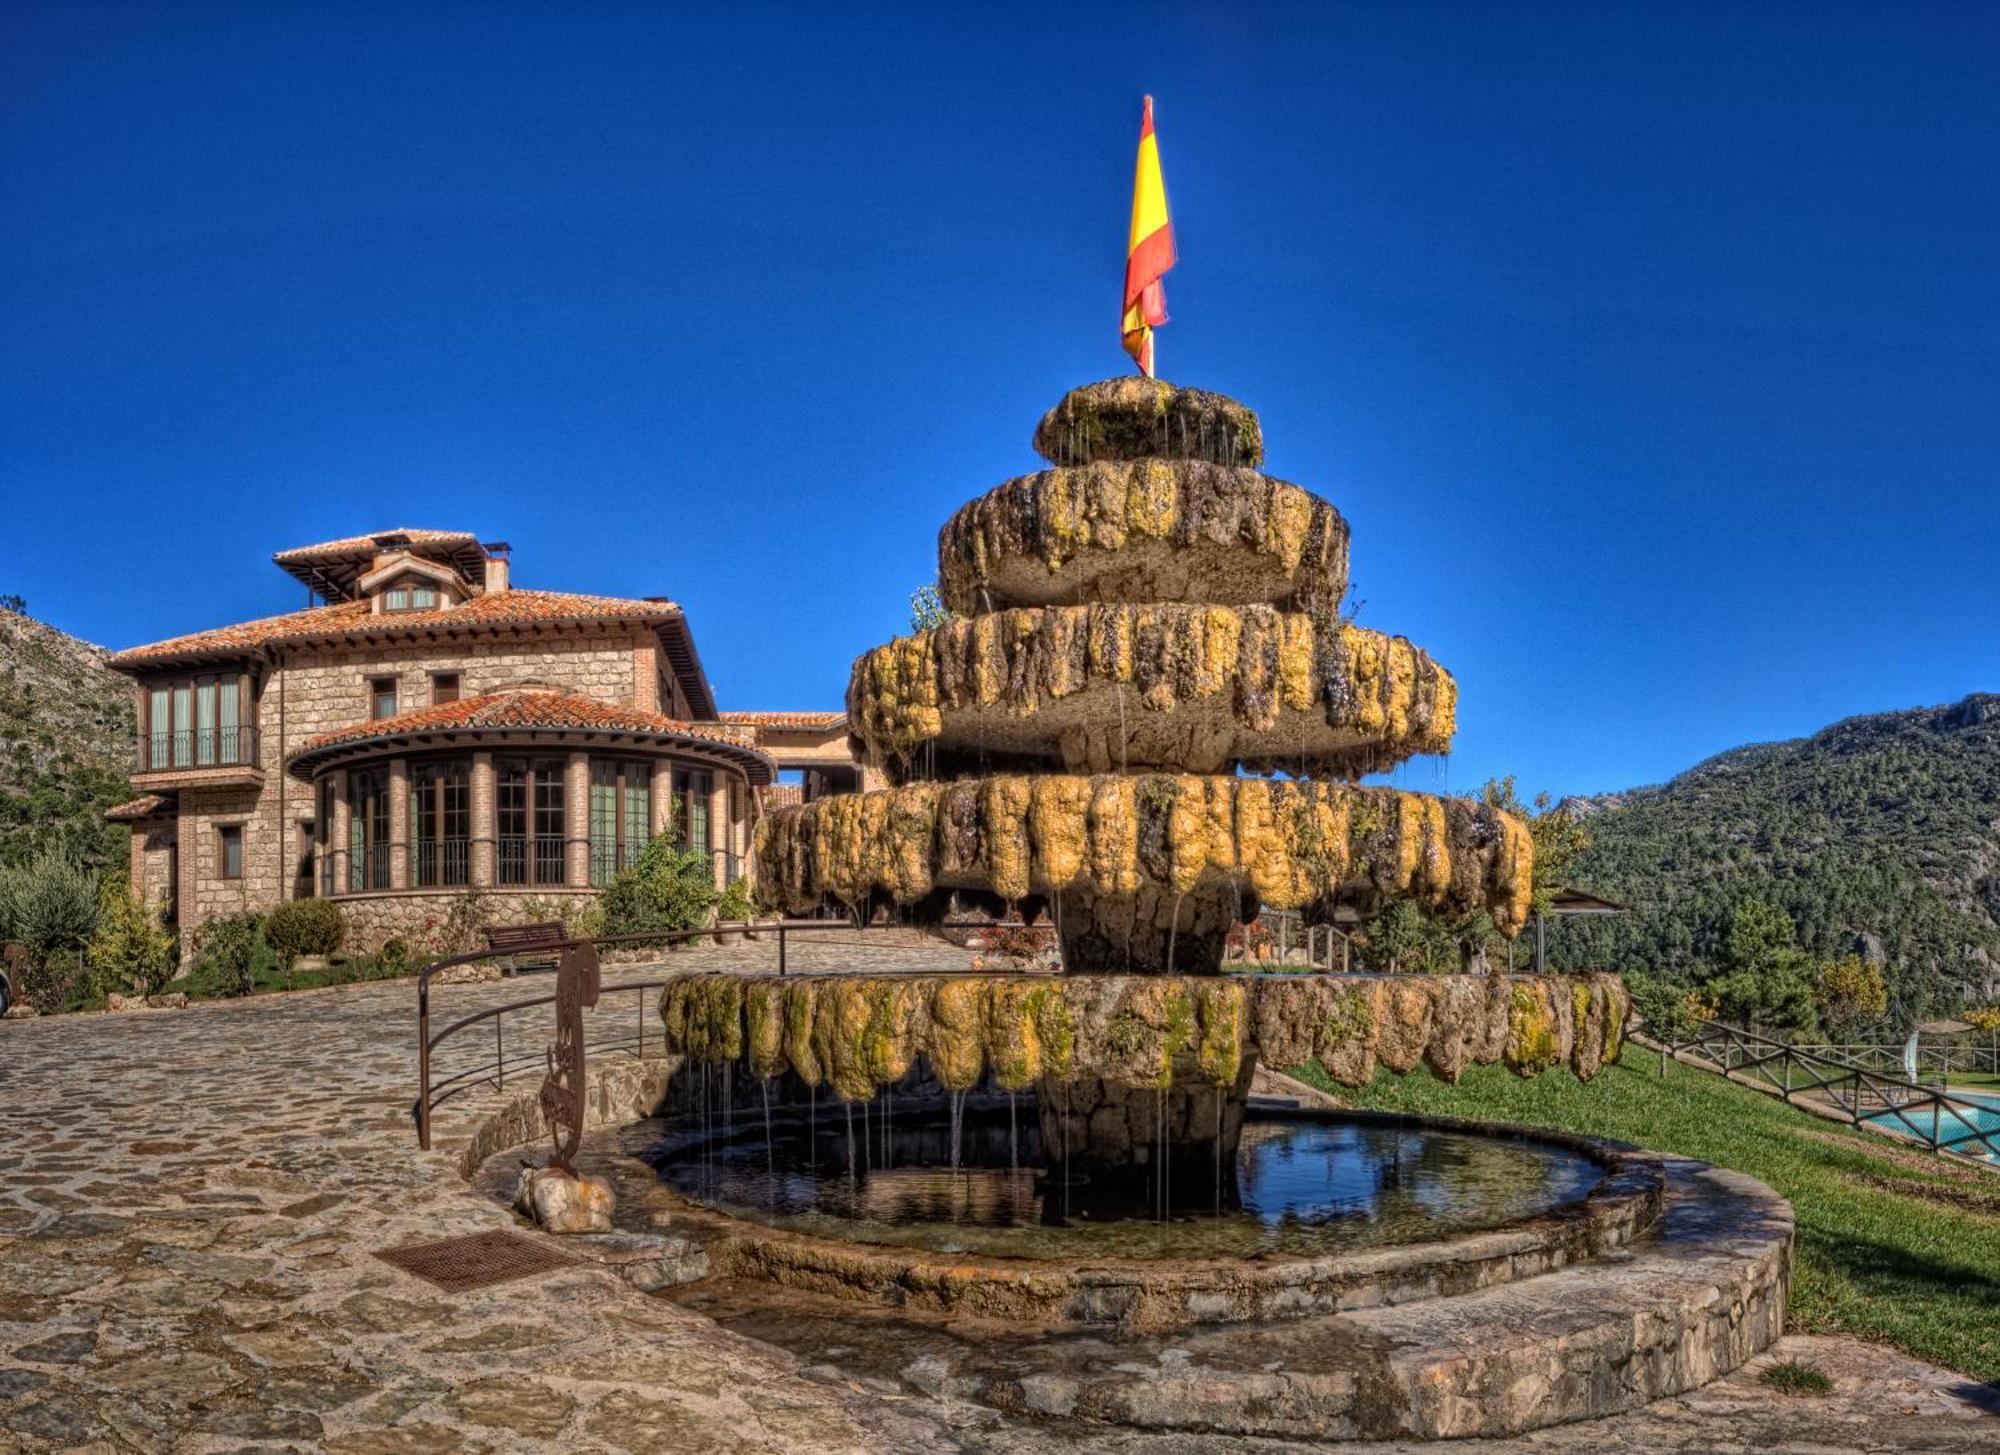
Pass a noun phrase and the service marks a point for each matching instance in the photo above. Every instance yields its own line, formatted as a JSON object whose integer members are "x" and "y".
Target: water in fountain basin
{"x": 970, "y": 1179}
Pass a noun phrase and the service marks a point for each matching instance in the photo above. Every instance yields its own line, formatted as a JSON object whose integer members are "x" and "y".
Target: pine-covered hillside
{"x": 1885, "y": 826}
{"x": 65, "y": 742}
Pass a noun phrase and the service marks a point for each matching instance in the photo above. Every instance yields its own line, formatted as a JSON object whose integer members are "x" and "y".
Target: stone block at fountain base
{"x": 1107, "y": 1129}
{"x": 1151, "y": 929}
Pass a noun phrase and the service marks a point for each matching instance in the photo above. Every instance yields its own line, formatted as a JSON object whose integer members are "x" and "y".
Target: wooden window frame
{"x": 224, "y": 832}
{"x": 438, "y": 679}
{"x": 627, "y": 839}
{"x": 368, "y": 829}
{"x": 440, "y": 780}
{"x": 541, "y": 772}
{"x": 181, "y": 745}
{"x": 375, "y": 686}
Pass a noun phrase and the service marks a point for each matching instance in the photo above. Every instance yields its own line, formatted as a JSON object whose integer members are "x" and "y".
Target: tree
{"x": 1851, "y": 993}
{"x": 131, "y": 952}
{"x": 1764, "y": 980}
{"x": 1559, "y": 837}
{"x": 49, "y": 904}
{"x": 1406, "y": 938}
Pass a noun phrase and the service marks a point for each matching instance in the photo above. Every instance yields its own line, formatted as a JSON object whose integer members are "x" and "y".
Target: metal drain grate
{"x": 458, "y": 1265}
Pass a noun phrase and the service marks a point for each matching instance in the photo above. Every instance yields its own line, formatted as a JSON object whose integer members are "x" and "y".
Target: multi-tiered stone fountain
{"x": 1144, "y": 721}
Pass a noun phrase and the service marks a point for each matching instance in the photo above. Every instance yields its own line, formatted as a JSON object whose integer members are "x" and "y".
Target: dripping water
{"x": 957, "y": 1124}
{"x": 1013, "y": 1145}
{"x": 852, "y": 1172}
{"x": 812, "y": 1129}
{"x": 1174, "y": 930}
{"x": 770, "y": 1150}
{"x": 1218, "y": 1151}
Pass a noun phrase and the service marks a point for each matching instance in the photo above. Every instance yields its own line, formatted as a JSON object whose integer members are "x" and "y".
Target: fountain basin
{"x": 1313, "y": 1221}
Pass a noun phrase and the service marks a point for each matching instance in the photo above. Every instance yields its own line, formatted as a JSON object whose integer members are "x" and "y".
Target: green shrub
{"x": 132, "y": 953}
{"x": 391, "y": 959}
{"x": 53, "y": 981}
{"x": 49, "y": 903}
{"x": 304, "y": 927}
{"x": 225, "y": 952}
{"x": 665, "y": 888}
{"x": 463, "y": 928}
{"x": 735, "y": 903}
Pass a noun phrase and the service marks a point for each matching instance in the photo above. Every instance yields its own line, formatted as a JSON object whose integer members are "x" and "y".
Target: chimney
{"x": 497, "y": 565}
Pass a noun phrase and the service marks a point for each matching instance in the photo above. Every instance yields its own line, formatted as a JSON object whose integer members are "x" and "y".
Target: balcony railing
{"x": 234, "y": 747}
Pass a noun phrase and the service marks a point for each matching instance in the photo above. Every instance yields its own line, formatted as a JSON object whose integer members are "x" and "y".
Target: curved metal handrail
{"x": 432, "y": 1094}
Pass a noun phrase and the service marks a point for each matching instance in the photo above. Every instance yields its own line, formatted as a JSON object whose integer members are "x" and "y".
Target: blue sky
{"x": 1651, "y": 350}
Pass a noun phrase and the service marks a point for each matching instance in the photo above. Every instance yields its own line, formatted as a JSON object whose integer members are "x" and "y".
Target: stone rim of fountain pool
{"x": 1171, "y": 1290}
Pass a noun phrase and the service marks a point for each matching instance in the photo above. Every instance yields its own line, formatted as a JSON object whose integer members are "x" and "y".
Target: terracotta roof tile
{"x": 524, "y": 711}
{"x": 144, "y": 806}
{"x": 355, "y": 620}
{"x": 786, "y": 719}
{"x": 368, "y": 544}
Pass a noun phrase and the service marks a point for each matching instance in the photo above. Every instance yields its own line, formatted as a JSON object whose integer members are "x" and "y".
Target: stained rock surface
{"x": 1112, "y": 686}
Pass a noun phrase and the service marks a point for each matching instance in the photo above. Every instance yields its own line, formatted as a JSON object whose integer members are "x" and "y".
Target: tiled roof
{"x": 529, "y": 711}
{"x": 144, "y": 806}
{"x": 783, "y": 795}
{"x": 355, "y": 620}
{"x": 341, "y": 550}
{"x": 787, "y": 719}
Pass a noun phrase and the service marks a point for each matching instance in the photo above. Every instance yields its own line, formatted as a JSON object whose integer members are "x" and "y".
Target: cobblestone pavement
{"x": 189, "y": 1201}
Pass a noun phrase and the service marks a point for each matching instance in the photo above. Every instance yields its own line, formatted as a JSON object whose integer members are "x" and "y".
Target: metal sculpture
{"x": 578, "y": 980}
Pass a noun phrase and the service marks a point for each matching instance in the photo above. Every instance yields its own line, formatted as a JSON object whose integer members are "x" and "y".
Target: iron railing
{"x": 531, "y": 1050}
{"x": 1928, "y": 1115}
{"x": 233, "y": 747}
{"x": 442, "y": 863}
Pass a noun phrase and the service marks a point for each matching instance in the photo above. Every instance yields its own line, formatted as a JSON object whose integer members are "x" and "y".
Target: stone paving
{"x": 190, "y": 1200}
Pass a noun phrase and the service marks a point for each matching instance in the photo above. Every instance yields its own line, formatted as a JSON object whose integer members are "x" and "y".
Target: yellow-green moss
{"x": 1532, "y": 1042}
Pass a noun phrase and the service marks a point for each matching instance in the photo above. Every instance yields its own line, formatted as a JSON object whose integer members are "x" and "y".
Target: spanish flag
{"x": 1149, "y": 253}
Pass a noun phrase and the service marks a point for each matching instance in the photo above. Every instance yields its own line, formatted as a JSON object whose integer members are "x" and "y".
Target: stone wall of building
{"x": 310, "y": 692}
{"x": 417, "y": 916}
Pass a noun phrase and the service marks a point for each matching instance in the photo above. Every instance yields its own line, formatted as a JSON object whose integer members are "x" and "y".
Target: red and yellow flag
{"x": 1149, "y": 253}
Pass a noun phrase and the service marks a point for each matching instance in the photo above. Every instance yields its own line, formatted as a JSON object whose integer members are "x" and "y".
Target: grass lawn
{"x": 1892, "y": 1244}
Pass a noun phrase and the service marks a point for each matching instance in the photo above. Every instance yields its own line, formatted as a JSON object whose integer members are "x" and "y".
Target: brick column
{"x": 718, "y": 825}
{"x": 576, "y": 821}
{"x": 660, "y": 789}
{"x": 336, "y": 836}
{"x": 485, "y": 822}
{"x": 399, "y": 823}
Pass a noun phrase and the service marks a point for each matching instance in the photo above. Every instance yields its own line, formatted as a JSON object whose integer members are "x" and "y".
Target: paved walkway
{"x": 189, "y": 1201}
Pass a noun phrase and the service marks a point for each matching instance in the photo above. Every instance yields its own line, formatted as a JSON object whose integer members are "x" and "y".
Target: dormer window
{"x": 403, "y": 582}
{"x": 410, "y": 597}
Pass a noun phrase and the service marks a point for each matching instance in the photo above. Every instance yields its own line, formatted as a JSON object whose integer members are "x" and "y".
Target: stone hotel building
{"x": 425, "y": 728}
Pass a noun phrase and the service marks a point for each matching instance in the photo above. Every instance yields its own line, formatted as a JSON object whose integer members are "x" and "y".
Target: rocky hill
{"x": 1885, "y": 826}
{"x": 65, "y": 742}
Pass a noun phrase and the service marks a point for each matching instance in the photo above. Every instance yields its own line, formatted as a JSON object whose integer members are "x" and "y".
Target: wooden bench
{"x": 520, "y": 942}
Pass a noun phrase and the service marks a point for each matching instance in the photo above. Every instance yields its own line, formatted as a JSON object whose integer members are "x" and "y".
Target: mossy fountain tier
{"x": 1140, "y": 626}
{"x": 1128, "y": 1067}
